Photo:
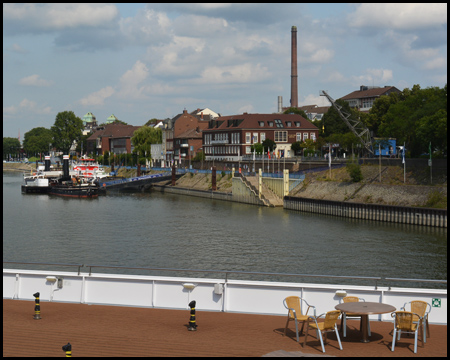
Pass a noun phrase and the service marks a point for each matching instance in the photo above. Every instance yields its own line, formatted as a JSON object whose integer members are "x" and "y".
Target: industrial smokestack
{"x": 280, "y": 104}
{"x": 294, "y": 83}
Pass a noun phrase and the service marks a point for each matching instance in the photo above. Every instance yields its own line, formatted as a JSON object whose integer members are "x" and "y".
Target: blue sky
{"x": 143, "y": 61}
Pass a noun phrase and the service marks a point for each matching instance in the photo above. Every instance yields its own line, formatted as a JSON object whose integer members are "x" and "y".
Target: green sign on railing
{"x": 436, "y": 302}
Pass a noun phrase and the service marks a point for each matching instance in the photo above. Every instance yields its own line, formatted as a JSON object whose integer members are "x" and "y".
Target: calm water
{"x": 172, "y": 231}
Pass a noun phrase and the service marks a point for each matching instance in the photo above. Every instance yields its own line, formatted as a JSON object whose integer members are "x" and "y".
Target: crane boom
{"x": 356, "y": 126}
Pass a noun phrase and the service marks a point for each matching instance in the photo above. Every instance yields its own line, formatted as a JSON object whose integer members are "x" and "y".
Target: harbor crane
{"x": 356, "y": 126}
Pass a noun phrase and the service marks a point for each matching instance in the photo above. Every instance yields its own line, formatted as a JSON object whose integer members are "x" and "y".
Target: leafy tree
{"x": 10, "y": 146}
{"x": 333, "y": 123}
{"x": 257, "y": 147}
{"x": 144, "y": 137}
{"x": 296, "y": 147}
{"x": 83, "y": 140}
{"x": 308, "y": 147}
{"x": 152, "y": 121}
{"x": 199, "y": 156}
{"x": 408, "y": 120}
{"x": 354, "y": 170}
{"x": 37, "y": 140}
{"x": 269, "y": 144}
{"x": 379, "y": 110}
{"x": 294, "y": 110}
{"x": 67, "y": 128}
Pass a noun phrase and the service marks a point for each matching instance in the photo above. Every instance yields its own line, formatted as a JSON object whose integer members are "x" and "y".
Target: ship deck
{"x": 98, "y": 330}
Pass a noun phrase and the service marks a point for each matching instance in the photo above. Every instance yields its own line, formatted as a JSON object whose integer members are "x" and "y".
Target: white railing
{"x": 212, "y": 294}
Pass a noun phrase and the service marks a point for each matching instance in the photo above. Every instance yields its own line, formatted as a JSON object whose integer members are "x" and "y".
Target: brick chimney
{"x": 201, "y": 115}
{"x": 294, "y": 77}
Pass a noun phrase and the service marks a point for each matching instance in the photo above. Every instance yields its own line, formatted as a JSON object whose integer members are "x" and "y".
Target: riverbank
{"x": 395, "y": 188}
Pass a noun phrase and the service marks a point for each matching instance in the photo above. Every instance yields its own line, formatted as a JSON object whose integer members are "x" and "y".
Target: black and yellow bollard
{"x": 68, "y": 349}
{"x": 37, "y": 307}
{"x": 192, "y": 324}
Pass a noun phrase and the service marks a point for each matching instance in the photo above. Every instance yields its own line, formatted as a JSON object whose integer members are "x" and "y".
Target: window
{"x": 255, "y": 138}
{"x": 263, "y": 137}
{"x": 288, "y": 123}
{"x": 305, "y": 136}
{"x": 299, "y": 137}
{"x": 297, "y": 123}
{"x": 261, "y": 123}
{"x": 280, "y": 136}
{"x": 248, "y": 138}
{"x": 270, "y": 123}
{"x": 312, "y": 137}
{"x": 278, "y": 123}
{"x": 248, "y": 150}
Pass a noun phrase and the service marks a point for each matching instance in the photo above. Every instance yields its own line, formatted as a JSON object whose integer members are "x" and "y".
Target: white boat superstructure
{"x": 211, "y": 294}
{"x": 88, "y": 168}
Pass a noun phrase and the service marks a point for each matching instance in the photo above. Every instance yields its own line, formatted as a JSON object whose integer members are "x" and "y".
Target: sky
{"x": 144, "y": 61}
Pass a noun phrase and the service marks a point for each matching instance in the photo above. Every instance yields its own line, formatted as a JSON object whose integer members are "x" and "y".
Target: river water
{"x": 173, "y": 231}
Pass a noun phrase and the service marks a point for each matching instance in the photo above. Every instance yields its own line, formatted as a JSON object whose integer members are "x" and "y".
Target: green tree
{"x": 333, "y": 123}
{"x": 10, "y": 146}
{"x": 67, "y": 128}
{"x": 308, "y": 147}
{"x": 296, "y": 147}
{"x": 354, "y": 170}
{"x": 294, "y": 110}
{"x": 152, "y": 121}
{"x": 269, "y": 144}
{"x": 408, "y": 119}
{"x": 257, "y": 147}
{"x": 37, "y": 140}
{"x": 144, "y": 137}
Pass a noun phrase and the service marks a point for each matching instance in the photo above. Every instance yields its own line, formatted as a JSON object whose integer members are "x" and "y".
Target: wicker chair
{"x": 328, "y": 325}
{"x": 352, "y": 315}
{"x": 404, "y": 322}
{"x": 420, "y": 307}
{"x": 294, "y": 306}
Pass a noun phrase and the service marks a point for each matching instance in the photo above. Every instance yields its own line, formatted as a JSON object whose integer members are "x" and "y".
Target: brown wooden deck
{"x": 95, "y": 330}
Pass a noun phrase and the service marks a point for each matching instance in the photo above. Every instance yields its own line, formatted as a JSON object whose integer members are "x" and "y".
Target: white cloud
{"x": 312, "y": 99}
{"x": 98, "y": 97}
{"x": 32, "y": 106}
{"x": 44, "y": 17}
{"x": 17, "y": 49}
{"x": 9, "y": 110}
{"x": 399, "y": 16}
{"x": 245, "y": 73}
{"x": 34, "y": 80}
{"x": 377, "y": 77}
{"x": 129, "y": 82}
{"x": 436, "y": 63}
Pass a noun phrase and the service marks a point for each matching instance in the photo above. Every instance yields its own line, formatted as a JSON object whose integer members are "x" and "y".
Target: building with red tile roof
{"x": 115, "y": 138}
{"x": 230, "y": 137}
{"x": 364, "y": 97}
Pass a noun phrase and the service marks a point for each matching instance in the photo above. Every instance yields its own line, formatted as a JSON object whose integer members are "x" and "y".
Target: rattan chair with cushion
{"x": 404, "y": 322}
{"x": 345, "y": 316}
{"x": 294, "y": 306}
{"x": 328, "y": 325}
{"x": 420, "y": 307}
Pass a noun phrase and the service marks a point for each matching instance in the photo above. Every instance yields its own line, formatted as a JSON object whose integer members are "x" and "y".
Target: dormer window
{"x": 261, "y": 123}
{"x": 288, "y": 123}
{"x": 278, "y": 123}
{"x": 270, "y": 123}
{"x": 297, "y": 123}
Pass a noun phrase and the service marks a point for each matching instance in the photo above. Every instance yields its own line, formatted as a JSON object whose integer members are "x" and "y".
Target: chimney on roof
{"x": 184, "y": 111}
{"x": 201, "y": 115}
{"x": 294, "y": 81}
{"x": 280, "y": 104}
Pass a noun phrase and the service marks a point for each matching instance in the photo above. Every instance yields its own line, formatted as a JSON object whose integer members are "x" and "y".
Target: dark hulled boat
{"x": 76, "y": 187}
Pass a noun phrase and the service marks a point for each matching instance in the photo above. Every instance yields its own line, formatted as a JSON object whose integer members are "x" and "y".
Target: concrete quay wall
{"x": 387, "y": 213}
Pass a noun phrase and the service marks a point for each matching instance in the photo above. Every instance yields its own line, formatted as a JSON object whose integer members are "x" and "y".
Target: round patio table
{"x": 365, "y": 309}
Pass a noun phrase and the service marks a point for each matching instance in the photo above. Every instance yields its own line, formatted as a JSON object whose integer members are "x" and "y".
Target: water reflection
{"x": 170, "y": 231}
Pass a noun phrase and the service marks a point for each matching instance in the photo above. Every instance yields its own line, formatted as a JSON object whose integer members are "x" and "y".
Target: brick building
{"x": 364, "y": 97}
{"x": 230, "y": 137}
{"x": 115, "y": 138}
